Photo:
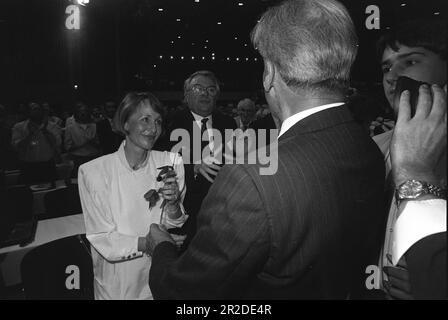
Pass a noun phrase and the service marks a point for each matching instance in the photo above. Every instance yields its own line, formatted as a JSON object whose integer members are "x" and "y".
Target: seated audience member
{"x": 80, "y": 139}
{"x": 37, "y": 142}
{"x": 51, "y": 114}
{"x": 419, "y": 240}
{"x": 201, "y": 91}
{"x": 246, "y": 114}
{"x": 109, "y": 138}
{"x": 308, "y": 228}
{"x": 416, "y": 49}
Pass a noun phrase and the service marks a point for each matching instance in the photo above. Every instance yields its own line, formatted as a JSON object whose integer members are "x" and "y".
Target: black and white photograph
{"x": 223, "y": 154}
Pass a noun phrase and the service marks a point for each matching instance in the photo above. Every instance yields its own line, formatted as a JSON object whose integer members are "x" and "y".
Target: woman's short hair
{"x": 312, "y": 43}
{"x": 430, "y": 34}
{"x": 129, "y": 105}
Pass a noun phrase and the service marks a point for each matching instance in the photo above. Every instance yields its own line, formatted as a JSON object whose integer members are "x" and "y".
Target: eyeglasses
{"x": 212, "y": 90}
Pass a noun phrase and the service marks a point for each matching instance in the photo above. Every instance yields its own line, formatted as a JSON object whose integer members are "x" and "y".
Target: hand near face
{"x": 32, "y": 127}
{"x": 419, "y": 142}
{"x": 156, "y": 235}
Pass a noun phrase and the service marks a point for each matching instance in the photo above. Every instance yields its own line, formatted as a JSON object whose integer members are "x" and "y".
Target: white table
{"x": 47, "y": 231}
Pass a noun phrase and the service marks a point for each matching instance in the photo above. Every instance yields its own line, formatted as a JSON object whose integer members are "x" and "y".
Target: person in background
{"x": 37, "y": 142}
{"x": 109, "y": 138}
{"x": 97, "y": 114}
{"x": 51, "y": 114}
{"x": 7, "y": 157}
{"x": 117, "y": 215}
{"x": 201, "y": 92}
{"x": 80, "y": 140}
{"x": 419, "y": 251}
{"x": 246, "y": 114}
{"x": 416, "y": 49}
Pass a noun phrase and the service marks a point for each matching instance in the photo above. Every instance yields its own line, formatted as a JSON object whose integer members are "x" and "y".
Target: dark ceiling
{"x": 133, "y": 44}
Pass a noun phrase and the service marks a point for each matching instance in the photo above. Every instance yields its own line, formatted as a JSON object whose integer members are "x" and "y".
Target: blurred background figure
{"x": 51, "y": 114}
{"x": 263, "y": 111}
{"x": 81, "y": 140}
{"x": 37, "y": 142}
{"x": 97, "y": 114}
{"x": 246, "y": 113}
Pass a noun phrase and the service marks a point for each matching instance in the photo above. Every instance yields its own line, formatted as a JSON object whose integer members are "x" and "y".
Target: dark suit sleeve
{"x": 426, "y": 261}
{"x": 230, "y": 247}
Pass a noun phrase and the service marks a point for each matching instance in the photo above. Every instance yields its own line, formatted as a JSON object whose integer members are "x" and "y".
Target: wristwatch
{"x": 413, "y": 189}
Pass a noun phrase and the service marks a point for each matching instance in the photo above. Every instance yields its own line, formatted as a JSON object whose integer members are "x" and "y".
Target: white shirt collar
{"x": 198, "y": 118}
{"x": 292, "y": 120}
{"x": 124, "y": 161}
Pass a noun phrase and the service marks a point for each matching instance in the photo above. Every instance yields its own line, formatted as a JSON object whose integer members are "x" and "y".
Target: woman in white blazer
{"x": 117, "y": 214}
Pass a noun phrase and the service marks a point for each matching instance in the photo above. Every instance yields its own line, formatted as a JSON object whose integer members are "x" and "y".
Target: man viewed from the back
{"x": 307, "y": 230}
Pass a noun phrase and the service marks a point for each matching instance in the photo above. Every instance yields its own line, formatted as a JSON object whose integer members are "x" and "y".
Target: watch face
{"x": 411, "y": 189}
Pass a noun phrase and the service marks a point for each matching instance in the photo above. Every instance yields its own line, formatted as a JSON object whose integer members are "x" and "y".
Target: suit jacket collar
{"x": 319, "y": 121}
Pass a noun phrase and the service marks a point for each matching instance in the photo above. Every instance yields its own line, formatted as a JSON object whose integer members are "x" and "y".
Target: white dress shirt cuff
{"x": 418, "y": 220}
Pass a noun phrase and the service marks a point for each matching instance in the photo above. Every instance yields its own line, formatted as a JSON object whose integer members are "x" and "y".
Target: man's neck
{"x": 293, "y": 103}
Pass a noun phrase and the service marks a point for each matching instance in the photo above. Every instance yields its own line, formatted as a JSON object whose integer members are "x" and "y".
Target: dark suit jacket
{"x": 307, "y": 231}
{"x": 198, "y": 187}
{"x": 426, "y": 261}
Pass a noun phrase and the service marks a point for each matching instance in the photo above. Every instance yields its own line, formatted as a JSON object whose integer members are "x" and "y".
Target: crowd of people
{"x": 338, "y": 202}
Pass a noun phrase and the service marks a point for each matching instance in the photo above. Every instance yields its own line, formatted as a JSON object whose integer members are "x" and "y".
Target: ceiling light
{"x": 436, "y": 13}
{"x": 160, "y": 9}
{"x": 240, "y": 4}
{"x": 178, "y": 20}
{"x": 219, "y": 22}
{"x": 82, "y": 2}
{"x": 403, "y": 4}
{"x": 178, "y": 37}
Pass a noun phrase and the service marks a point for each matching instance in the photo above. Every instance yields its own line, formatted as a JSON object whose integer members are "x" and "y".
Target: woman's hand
{"x": 170, "y": 191}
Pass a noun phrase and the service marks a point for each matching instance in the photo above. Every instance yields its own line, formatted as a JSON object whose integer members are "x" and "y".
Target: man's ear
{"x": 126, "y": 127}
{"x": 268, "y": 75}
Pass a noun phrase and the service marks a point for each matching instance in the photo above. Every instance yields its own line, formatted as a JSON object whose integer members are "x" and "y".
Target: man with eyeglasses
{"x": 201, "y": 91}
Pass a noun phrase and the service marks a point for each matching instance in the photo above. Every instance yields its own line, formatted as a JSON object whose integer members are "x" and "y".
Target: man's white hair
{"x": 246, "y": 102}
{"x": 312, "y": 43}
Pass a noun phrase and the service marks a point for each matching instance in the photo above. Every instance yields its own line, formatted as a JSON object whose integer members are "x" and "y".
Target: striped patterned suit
{"x": 306, "y": 232}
